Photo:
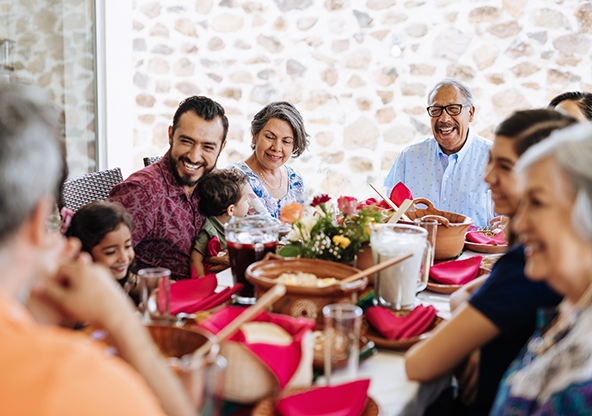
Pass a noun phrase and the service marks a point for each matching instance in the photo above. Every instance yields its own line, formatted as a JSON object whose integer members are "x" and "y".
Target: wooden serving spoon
{"x": 392, "y": 204}
{"x": 376, "y": 268}
{"x": 251, "y": 312}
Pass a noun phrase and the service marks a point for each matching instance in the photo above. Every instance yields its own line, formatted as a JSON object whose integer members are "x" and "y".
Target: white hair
{"x": 460, "y": 86}
{"x": 571, "y": 150}
{"x": 31, "y": 161}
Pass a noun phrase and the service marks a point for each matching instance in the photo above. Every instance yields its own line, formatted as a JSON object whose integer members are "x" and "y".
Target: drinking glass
{"x": 203, "y": 379}
{"x": 248, "y": 240}
{"x": 155, "y": 294}
{"x": 395, "y": 287}
{"x": 342, "y": 335}
{"x": 431, "y": 226}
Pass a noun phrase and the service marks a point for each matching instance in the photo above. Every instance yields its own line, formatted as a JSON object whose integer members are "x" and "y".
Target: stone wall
{"x": 358, "y": 70}
{"x": 54, "y": 50}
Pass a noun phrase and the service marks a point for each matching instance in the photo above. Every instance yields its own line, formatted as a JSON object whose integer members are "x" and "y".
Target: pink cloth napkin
{"x": 393, "y": 327}
{"x": 457, "y": 272}
{"x": 343, "y": 400}
{"x": 400, "y": 193}
{"x": 282, "y": 360}
{"x": 497, "y": 240}
{"x": 214, "y": 247}
{"x": 190, "y": 296}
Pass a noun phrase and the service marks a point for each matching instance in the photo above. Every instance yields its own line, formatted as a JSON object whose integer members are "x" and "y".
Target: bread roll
{"x": 265, "y": 333}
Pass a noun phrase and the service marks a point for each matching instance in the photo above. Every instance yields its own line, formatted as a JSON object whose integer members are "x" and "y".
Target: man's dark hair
{"x": 220, "y": 189}
{"x": 205, "y": 108}
{"x": 582, "y": 99}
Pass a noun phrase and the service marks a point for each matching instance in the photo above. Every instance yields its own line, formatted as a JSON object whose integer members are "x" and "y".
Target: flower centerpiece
{"x": 321, "y": 232}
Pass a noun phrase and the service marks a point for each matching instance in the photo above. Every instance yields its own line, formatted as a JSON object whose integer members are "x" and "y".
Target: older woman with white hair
{"x": 553, "y": 373}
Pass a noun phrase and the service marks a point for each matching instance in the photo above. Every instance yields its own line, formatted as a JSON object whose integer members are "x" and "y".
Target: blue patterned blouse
{"x": 261, "y": 203}
{"x": 556, "y": 382}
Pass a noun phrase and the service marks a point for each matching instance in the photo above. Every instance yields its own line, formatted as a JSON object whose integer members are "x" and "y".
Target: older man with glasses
{"x": 448, "y": 168}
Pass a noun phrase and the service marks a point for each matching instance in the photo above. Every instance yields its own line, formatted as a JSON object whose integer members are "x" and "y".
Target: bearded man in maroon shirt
{"x": 161, "y": 197}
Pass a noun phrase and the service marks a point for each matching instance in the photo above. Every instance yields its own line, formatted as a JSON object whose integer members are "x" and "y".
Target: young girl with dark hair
{"x": 105, "y": 230}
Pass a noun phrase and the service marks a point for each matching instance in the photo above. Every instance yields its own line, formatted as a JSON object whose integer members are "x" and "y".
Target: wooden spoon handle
{"x": 376, "y": 268}
{"x": 251, "y": 312}
{"x": 389, "y": 202}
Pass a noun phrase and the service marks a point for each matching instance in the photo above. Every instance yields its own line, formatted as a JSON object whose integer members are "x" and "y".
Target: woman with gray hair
{"x": 278, "y": 133}
{"x": 553, "y": 373}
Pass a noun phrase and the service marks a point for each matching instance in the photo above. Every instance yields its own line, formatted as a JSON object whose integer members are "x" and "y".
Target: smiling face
{"x": 450, "y": 131}
{"x": 499, "y": 175}
{"x": 195, "y": 147}
{"x": 115, "y": 251}
{"x": 553, "y": 249}
{"x": 274, "y": 144}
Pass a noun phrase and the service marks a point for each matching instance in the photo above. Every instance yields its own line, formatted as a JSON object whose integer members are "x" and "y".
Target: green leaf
{"x": 289, "y": 251}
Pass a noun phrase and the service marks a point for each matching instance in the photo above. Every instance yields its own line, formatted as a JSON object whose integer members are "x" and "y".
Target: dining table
{"x": 394, "y": 393}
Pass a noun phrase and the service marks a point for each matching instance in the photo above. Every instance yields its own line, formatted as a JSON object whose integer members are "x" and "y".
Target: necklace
{"x": 562, "y": 325}
{"x": 267, "y": 183}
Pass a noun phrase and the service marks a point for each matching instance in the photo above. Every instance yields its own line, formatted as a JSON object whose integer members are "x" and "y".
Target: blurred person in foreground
{"x": 499, "y": 318}
{"x": 552, "y": 375}
{"x": 48, "y": 370}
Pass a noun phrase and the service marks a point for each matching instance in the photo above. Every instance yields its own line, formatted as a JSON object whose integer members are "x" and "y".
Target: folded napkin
{"x": 190, "y": 296}
{"x": 400, "y": 193}
{"x": 343, "y": 400}
{"x": 214, "y": 247}
{"x": 282, "y": 360}
{"x": 393, "y": 327}
{"x": 480, "y": 238}
{"x": 457, "y": 272}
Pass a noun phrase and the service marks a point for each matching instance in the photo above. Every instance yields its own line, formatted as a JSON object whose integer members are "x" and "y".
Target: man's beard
{"x": 185, "y": 181}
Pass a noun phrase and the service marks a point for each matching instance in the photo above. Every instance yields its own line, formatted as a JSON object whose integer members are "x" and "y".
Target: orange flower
{"x": 291, "y": 212}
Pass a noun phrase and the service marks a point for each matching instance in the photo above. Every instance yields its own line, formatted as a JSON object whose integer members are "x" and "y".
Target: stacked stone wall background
{"x": 54, "y": 51}
{"x": 358, "y": 70}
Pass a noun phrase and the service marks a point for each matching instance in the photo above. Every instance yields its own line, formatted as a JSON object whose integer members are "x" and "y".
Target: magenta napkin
{"x": 343, "y": 400}
{"x": 393, "y": 327}
{"x": 400, "y": 193}
{"x": 457, "y": 272}
{"x": 480, "y": 238}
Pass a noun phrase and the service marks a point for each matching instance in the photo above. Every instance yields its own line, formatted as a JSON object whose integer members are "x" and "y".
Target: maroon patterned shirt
{"x": 166, "y": 219}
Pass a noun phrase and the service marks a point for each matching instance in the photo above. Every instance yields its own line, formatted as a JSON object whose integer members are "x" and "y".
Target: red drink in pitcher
{"x": 241, "y": 257}
{"x": 248, "y": 240}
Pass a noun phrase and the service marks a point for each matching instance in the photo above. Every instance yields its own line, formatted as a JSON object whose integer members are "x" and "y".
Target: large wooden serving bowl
{"x": 450, "y": 237}
{"x": 300, "y": 301}
{"x": 173, "y": 341}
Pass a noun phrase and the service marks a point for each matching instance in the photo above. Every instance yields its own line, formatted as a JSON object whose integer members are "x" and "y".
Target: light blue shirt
{"x": 453, "y": 183}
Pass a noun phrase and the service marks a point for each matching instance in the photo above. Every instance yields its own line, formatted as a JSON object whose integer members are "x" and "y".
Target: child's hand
{"x": 221, "y": 259}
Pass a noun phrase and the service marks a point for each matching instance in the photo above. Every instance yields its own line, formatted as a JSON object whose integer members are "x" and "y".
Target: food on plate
{"x": 265, "y": 333}
{"x": 305, "y": 279}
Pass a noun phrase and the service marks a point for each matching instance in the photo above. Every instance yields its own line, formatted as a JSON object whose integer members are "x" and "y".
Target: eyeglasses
{"x": 452, "y": 109}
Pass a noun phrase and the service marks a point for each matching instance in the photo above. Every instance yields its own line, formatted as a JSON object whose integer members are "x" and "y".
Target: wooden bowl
{"x": 300, "y": 301}
{"x": 450, "y": 237}
{"x": 174, "y": 341}
{"x": 448, "y": 289}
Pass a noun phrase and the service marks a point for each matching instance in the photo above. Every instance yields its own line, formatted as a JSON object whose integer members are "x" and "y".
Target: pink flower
{"x": 320, "y": 199}
{"x": 347, "y": 204}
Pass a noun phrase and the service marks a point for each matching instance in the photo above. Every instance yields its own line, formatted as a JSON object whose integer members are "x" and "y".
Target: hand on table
{"x": 220, "y": 262}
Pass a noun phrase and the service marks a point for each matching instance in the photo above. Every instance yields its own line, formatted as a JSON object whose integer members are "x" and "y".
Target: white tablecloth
{"x": 391, "y": 389}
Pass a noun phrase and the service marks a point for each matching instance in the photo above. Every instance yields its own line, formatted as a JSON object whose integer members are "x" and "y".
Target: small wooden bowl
{"x": 397, "y": 344}
{"x": 173, "y": 341}
{"x": 300, "y": 301}
{"x": 452, "y": 227}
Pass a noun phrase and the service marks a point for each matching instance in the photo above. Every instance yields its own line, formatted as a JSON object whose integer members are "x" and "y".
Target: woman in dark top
{"x": 500, "y": 316}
